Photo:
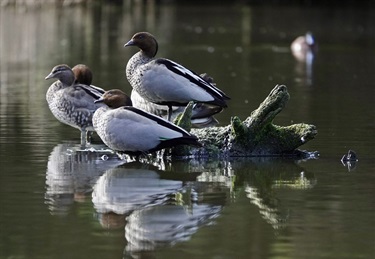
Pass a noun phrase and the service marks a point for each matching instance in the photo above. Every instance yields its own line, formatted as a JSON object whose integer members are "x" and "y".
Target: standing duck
{"x": 129, "y": 130}
{"x": 164, "y": 82}
{"x": 72, "y": 103}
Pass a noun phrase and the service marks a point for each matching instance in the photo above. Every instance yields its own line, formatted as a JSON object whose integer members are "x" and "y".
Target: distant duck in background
{"x": 72, "y": 103}
{"x": 164, "y": 82}
{"x": 129, "y": 130}
{"x": 304, "y": 48}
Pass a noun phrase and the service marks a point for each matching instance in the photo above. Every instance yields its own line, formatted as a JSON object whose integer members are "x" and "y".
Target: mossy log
{"x": 255, "y": 136}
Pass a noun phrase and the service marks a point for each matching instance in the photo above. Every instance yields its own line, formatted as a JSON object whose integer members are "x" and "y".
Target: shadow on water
{"x": 160, "y": 206}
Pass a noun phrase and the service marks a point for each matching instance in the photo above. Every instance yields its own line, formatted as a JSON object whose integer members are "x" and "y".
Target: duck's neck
{"x": 68, "y": 79}
{"x": 101, "y": 110}
{"x": 143, "y": 57}
{"x": 138, "y": 59}
{"x": 151, "y": 49}
{"x": 56, "y": 86}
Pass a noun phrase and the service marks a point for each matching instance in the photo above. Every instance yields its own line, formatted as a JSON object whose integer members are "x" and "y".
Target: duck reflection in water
{"x": 131, "y": 186}
{"x": 71, "y": 174}
{"x": 304, "y": 49}
{"x": 165, "y": 225}
{"x": 161, "y": 208}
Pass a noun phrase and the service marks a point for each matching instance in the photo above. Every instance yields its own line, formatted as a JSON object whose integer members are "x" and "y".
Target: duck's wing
{"x": 81, "y": 96}
{"x": 92, "y": 90}
{"x": 194, "y": 78}
{"x": 146, "y": 118}
{"x": 97, "y": 90}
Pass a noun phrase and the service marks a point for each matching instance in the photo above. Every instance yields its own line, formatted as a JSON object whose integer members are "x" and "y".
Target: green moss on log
{"x": 255, "y": 136}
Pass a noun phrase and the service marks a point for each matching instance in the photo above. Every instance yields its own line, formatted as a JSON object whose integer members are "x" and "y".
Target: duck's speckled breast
{"x": 135, "y": 71}
{"x": 71, "y": 106}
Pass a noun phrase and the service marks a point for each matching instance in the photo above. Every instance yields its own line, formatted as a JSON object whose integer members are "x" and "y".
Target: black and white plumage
{"x": 72, "y": 103}
{"x": 165, "y": 82}
{"x": 127, "y": 129}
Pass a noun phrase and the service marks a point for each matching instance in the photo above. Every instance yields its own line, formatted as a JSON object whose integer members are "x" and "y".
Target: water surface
{"x": 59, "y": 203}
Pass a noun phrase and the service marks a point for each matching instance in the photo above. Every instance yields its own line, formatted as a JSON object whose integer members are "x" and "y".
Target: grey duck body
{"x": 127, "y": 129}
{"x": 165, "y": 82}
{"x": 70, "y": 102}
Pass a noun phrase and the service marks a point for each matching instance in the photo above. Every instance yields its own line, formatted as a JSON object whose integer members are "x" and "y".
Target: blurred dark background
{"x": 351, "y": 3}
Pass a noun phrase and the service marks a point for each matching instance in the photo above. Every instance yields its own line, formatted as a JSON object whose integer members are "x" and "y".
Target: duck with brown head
{"x": 82, "y": 74}
{"x": 129, "y": 130}
{"x": 164, "y": 82}
{"x": 71, "y": 102}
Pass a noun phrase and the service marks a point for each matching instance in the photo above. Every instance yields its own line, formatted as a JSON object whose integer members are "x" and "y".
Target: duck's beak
{"x": 50, "y": 75}
{"x": 100, "y": 100}
{"x": 129, "y": 43}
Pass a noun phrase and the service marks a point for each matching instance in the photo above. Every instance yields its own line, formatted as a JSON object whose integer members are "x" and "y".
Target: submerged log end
{"x": 275, "y": 140}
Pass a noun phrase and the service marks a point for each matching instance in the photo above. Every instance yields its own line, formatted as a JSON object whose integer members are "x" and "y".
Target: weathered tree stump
{"x": 255, "y": 136}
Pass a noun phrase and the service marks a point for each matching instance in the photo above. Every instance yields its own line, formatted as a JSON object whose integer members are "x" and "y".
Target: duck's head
{"x": 63, "y": 73}
{"x": 304, "y": 43}
{"x": 146, "y": 42}
{"x": 82, "y": 74}
{"x": 310, "y": 40}
{"x": 115, "y": 98}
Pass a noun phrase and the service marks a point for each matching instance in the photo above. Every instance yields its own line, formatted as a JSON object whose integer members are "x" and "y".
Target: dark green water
{"x": 57, "y": 203}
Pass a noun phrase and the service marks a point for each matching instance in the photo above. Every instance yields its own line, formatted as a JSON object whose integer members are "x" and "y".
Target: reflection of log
{"x": 255, "y": 136}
